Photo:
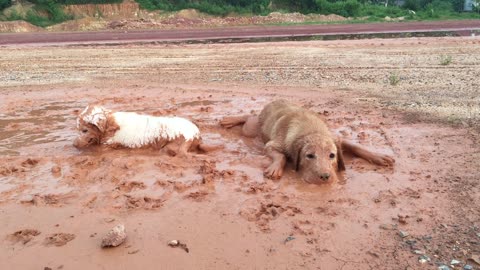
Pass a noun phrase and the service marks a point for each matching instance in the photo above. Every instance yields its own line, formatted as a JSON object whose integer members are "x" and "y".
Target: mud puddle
{"x": 211, "y": 201}
{"x": 48, "y": 123}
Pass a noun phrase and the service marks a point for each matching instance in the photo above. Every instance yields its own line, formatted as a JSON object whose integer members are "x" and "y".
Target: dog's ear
{"x": 297, "y": 148}
{"x": 96, "y": 116}
{"x": 340, "y": 161}
{"x": 100, "y": 122}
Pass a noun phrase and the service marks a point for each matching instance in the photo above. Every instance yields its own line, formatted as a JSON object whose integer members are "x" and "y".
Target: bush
{"x": 14, "y": 16}
{"x": 83, "y": 2}
{"x": 34, "y": 18}
{"x": 216, "y": 7}
{"x": 348, "y": 8}
{"x": 380, "y": 11}
{"x": 412, "y": 5}
{"x": 53, "y": 10}
{"x": 437, "y": 9}
{"x": 79, "y": 2}
{"x": 45, "y": 13}
{"x": 5, "y": 3}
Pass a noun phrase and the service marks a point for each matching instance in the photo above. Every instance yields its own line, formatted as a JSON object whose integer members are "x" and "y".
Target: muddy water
{"x": 36, "y": 127}
{"x": 219, "y": 204}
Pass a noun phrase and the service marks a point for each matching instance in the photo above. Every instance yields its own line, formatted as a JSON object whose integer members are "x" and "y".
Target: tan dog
{"x": 294, "y": 133}
{"x": 98, "y": 125}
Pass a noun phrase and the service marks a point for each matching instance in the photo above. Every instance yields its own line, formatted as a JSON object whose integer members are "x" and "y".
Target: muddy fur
{"x": 97, "y": 125}
{"x": 299, "y": 135}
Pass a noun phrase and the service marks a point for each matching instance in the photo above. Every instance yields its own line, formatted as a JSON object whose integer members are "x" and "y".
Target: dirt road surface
{"x": 463, "y": 27}
{"x": 402, "y": 97}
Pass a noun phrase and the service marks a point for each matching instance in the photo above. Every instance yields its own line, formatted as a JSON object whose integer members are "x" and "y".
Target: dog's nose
{"x": 325, "y": 176}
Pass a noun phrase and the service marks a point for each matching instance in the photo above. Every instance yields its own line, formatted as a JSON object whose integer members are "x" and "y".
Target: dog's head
{"x": 91, "y": 124}
{"x": 317, "y": 158}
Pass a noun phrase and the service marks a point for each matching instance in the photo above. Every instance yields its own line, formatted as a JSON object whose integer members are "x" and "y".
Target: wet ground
{"x": 57, "y": 202}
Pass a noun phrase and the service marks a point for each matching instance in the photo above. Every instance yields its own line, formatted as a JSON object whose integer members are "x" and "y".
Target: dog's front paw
{"x": 274, "y": 171}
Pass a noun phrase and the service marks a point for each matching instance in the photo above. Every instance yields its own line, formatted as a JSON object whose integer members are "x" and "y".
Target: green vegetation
{"x": 445, "y": 60}
{"x": 45, "y": 13}
{"x": 5, "y": 4}
{"x": 83, "y": 2}
{"x": 374, "y": 9}
{"x": 216, "y": 7}
{"x": 393, "y": 79}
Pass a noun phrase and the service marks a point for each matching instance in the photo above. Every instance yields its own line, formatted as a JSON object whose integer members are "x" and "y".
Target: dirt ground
{"x": 399, "y": 97}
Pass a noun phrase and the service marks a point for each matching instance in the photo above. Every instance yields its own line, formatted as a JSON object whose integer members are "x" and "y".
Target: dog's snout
{"x": 324, "y": 176}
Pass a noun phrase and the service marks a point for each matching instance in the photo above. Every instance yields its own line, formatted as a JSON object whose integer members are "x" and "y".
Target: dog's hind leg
{"x": 359, "y": 151}
{"x": 199, "y": 145}
{"x": 250, "y": 124}
{"x": 231, "y": 121}
{"x": 183, "y": 148}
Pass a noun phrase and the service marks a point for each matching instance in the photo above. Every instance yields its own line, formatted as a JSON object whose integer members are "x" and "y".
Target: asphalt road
{"x": 463, "y": 27}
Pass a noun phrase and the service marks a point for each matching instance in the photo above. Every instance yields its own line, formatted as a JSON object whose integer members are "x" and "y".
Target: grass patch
{"x": 445, "y": 60}
{"x": 393, "y": 79}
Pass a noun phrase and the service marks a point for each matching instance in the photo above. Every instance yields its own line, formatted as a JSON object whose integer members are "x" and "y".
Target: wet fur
{"x": 98, "y": 125}
{"x": 301, "y": 136}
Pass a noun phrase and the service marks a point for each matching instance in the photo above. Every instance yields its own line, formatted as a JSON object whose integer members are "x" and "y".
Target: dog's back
{"x": 283, "y": 122}
{"x": 137, "y": 130}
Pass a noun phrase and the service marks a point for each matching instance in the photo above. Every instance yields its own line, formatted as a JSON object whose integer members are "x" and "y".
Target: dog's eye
{"x": 332, "y": 155}
{"x": 85, "y": 130}
{"x": 311, "y": 156}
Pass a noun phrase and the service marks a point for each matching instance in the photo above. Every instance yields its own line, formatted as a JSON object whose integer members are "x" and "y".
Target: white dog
{"x": 98, "y": 125}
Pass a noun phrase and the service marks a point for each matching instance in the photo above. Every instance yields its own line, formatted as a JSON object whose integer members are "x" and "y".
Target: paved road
{"x": 464, "y": 26}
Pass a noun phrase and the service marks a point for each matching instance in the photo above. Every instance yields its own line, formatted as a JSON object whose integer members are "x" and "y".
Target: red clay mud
{"x": 220, "y": 203}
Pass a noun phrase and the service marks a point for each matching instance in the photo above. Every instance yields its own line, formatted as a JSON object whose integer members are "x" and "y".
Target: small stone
{"x": 411, "y": 242}
{"x": 427, "y": 237}
{"x": 133, "y": 251}
{"x": 174, "y": 243}
{"x": 288, "y": 239}
{"x": 56, "y": 170}
{"x": 475, "y": 258}
{"x": 109, "y": 220}
{"x": 443, "y": 267}
{"x": 454, "y": 262}
{"x": 115, "y": 237}
{"x": 27, "y": 199}
{"x": 403, "y": 234}
{"x": 418, "y": 252}
{"x": 468, "y": 267}
{"x": 423, "y": 259}
{"x": 388, "y": 226}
